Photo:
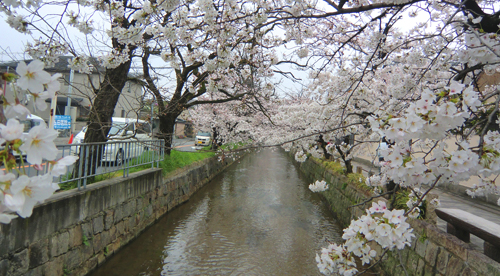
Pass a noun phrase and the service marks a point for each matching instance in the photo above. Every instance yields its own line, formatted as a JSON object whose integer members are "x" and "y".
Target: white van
{"x": 122, "y": 130}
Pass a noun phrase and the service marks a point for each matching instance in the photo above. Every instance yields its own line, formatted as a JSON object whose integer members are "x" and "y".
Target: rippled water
{"x": 256, "y": 218}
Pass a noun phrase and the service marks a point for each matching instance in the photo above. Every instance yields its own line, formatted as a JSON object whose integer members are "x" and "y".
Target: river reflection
{"x": 256, "y": 218}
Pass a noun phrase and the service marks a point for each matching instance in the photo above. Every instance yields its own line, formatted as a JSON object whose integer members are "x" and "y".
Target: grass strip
{"x": 171, "y": 163}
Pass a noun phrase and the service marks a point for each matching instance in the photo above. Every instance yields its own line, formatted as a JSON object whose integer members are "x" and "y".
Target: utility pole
{"x": 53, "y": 106}
{"x": 70, "y": 90}
{"x": 68, "y": 97}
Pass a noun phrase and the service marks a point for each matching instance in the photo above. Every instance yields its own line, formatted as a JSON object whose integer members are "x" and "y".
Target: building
{"x": 81, "y": 96}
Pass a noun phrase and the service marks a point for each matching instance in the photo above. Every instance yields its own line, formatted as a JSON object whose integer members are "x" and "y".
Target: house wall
{"x": 128, "y": 103}
{"x": 75, "y": 231}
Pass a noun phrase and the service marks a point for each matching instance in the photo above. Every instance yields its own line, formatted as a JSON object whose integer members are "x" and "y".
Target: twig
{"x": 374, "y": 264}
{"x": 371, "y": 198}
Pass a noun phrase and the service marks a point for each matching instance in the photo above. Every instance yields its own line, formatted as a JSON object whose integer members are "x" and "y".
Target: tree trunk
{"x": 105, "y": 102}
{"x": 167, "y": 124}
{"x": 215, "y": 141}
{"x": 322, "y": 143}
{"x": 348, "y": 166}
{"x": 347, "y": 162}
{"x": 100, "y": 115}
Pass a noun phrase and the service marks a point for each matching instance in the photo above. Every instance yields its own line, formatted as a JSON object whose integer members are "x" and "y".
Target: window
{"x": 348, "y": 139}
{"x": 143, "y": 128}
{"x": 29, "y": 123}
{"x": 130, "y": 127}
{"x": 115, "y": 129}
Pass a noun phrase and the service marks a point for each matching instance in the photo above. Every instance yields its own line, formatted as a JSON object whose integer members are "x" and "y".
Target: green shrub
{"x": 358, "y": 180}
{"x": 402, "y": 196}
{"x": 334, "y": 166}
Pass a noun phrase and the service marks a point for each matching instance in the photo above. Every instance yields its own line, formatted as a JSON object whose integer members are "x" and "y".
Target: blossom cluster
{"x": 428, "y": 122}
{"x": 416, "y": 199}
{"x": 387, "y": 228}
{"x": 19, "y": 192}
{"x": 300, "y": 156}
{"x": 318, "y": 186}
{"x": 484, "y": 187}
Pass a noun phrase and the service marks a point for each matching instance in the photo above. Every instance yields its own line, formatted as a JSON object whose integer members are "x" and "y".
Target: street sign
{"x": 62, "y": 122}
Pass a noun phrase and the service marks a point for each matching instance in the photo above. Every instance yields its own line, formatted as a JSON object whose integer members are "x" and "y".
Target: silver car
{"x": 122, "y": 130}
{"x": 202, "y": 139}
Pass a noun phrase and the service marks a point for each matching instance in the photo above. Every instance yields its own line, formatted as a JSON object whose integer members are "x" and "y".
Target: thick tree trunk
{"x": 105, "y": 102}
{"x": 101, "y": 113}
{"x": 167, "y": 124}
{"x": 217, "y": 140}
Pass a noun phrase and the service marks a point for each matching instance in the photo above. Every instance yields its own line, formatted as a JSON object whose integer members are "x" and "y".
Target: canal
{"x": 256, "y": 218}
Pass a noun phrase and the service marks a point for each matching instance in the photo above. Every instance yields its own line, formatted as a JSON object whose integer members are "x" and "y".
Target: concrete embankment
{"x": 432, "y": 252}
{"x": 75, "y": 231}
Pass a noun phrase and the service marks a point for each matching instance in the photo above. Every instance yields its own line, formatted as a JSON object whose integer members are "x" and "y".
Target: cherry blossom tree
{"x": 211, "y": 47}
{"x": 405, "y": 71}
{"x": 417, "y": 87}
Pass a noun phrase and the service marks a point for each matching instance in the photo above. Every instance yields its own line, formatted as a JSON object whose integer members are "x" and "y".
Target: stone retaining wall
{"x": 75, "y": 231}
{"x": 433, "y": 252}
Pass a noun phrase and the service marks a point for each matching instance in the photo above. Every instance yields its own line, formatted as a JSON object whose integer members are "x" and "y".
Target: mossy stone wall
{"x": 75, "y": 231}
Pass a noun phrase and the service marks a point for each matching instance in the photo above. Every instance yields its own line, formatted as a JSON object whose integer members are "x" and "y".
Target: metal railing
{"x": 98, "y": 161}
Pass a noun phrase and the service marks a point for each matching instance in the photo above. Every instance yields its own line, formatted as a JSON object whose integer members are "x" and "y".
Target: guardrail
{"x": 461, "y": 224}
{"x": 98, "y": 159}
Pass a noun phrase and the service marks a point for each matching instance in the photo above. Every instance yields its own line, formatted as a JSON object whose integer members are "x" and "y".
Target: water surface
{"x": 256, "y": 218}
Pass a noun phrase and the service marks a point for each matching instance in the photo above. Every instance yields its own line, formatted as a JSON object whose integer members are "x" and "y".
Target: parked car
{"x": 202, "y": 139}
{"x": 122, "y": 130}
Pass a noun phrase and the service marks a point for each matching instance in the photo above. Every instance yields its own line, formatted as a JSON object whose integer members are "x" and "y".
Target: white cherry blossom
{"x": 39, "y": 144}
{"x": 12, "y": 131}
{"x": 318, "y": 186}
{"x": 32, "y": 76}
{"x": 16, "y": 111}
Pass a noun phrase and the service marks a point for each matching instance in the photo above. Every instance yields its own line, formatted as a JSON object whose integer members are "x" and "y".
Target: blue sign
{"x": 62, "y": 122}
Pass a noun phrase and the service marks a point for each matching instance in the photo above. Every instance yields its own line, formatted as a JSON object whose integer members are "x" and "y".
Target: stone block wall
{"x": 433, "y": 252}
{"x": 75, "y": 231}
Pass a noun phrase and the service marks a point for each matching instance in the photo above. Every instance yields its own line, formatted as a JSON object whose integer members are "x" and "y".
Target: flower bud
{"x": 16, "y": 144}
{"x": 9, "y": 77}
